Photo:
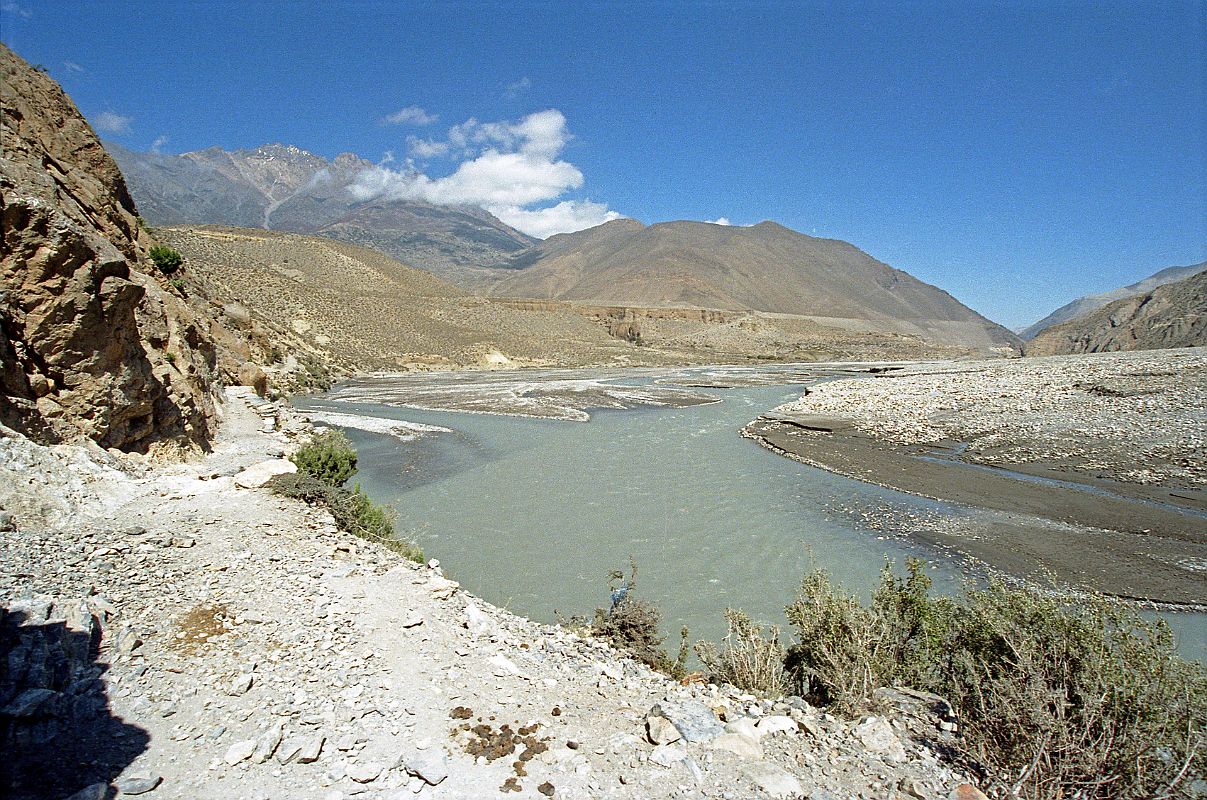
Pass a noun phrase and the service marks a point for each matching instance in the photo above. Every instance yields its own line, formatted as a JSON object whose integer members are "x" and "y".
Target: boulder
{"x": 695, "y": 721}
{"x": 253, "y": 375}
{"x": 257, "y": 475}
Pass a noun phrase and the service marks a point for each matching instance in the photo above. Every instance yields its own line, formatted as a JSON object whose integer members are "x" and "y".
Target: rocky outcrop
{"x": 93, "y": 340}
{"x": 1172, "y": 315}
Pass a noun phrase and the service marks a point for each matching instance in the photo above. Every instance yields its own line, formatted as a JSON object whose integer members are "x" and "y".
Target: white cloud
{"x": 14, "y": 8}
{"x": 160, "y": 141}
{"x": 426, "y": 148}
{"x": 73, "y": 67}
{"x": 506, "y": 167}
{"x": 565, "y": 217}
{"x": 517, "y": 88}
{"x": 720, "y": 221}
{"x": 411, "y": 115}
{"x": 108, "y": 122}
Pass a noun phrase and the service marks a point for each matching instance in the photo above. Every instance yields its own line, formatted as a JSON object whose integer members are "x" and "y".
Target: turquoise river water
{"x": 532, "y": 514}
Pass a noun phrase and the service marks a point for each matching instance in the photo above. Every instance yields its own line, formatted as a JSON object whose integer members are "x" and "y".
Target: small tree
{"x": 167, "y": 259}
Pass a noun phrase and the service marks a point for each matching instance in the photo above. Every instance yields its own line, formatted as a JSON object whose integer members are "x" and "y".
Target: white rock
{"x": 661, "y": 731}
{"x": 877, "y": 737}
{"x": 769, "y": 726}
{"x": 773, "y": 780}
{"x": 743, "y": 726}
{"x": 736, "y": 743}
{"x": 267, "y": 744}
{"x": 240, "y": 751}
{"x": 667, "y": 755}
{"x": 312, "y": 747}
{"x": 476, "y": 620}
{"x": 364, "y": 772}
{"x": 257, "y": 475}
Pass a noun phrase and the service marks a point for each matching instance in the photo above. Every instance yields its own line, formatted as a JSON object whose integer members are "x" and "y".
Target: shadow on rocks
{"x": 57, "y": 733}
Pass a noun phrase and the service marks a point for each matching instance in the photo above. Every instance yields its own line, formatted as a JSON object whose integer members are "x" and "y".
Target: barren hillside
{"x": 766, "y": 268}
{"x": 1171, "y": 315}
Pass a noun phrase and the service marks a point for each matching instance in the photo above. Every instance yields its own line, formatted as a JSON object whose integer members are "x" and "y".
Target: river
{"x": 532, "y": 513}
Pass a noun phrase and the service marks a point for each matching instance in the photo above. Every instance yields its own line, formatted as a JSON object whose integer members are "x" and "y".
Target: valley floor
{"x": 1098, "y": 463}
{"x": 174, "y": 634}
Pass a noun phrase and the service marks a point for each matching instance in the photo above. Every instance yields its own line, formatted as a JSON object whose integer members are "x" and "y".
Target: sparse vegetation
{"x": 324, "y": 466}
{"x": 747, "y": 658}
{"x": 167, "y": 259}
{"x": 631, "y": 625}
{"x": 1057, "y": 698}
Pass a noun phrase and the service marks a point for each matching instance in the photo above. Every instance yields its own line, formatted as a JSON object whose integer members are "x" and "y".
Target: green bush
{"x": 1058, "y": 698}
{"x": 300, "y": 486}
{"x": 352, "y": 510}
{"x": 167, "y": 259}
{"x": 328, "y": 457}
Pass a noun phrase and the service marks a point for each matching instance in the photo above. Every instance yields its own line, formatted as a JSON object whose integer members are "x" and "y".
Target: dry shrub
{"x": 1076, "y": 700}
{"x": 848, "y": 650}
{"x": 1058, "y": 698}
{"x": 746, "y": 658}
{"x": 631, "y": 625}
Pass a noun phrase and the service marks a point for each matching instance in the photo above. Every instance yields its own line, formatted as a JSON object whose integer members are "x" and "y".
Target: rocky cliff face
{"x": 94, "y": 343}
{"x": 1173, "y": 315}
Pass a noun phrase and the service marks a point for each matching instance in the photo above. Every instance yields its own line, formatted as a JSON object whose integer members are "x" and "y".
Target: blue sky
{"x": 1014, "y": 154}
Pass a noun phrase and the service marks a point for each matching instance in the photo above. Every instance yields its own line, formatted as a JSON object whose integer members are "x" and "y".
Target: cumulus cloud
{"x": 411, "y": 115}
{"x": 565, "y": 217}
{"x": 517, "y": 88}
{"x": 108, "y": 122}
{"x": 720, "y": 221}
{"x": 505, "y": 167}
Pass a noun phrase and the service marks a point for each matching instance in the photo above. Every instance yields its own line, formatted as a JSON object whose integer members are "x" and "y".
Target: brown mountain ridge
{"x": 766, "y": 268}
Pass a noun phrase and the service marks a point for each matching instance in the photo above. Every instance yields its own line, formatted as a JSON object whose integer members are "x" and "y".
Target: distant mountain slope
{"x": 1084, "y": 305}
{"x": 1172, "y": 315}
{"x": 360, "y": 310}
{"x": 766, "y": 268}
{"x": 281, "y": 187}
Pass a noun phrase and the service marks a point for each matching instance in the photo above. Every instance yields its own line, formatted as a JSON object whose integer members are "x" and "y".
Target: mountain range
{"x": 765, "y": 268}
{"x": 1167, "y": 315}
{"x": 281, "y": 187}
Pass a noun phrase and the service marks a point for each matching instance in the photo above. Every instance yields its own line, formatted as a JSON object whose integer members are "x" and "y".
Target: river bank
{"x": 1110, "y": 447}
{"x": 239, "y": 645}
